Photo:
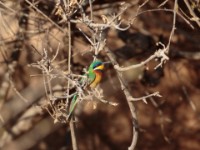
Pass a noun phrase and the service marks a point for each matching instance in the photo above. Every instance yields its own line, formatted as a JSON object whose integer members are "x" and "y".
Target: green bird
{"x": 94, "y": 76}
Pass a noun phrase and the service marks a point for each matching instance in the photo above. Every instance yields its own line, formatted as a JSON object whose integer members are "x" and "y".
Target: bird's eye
{"x": 97, "y": 64}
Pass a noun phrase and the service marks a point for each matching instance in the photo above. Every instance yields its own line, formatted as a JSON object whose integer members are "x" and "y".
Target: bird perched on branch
{"x": 93, "y": 77}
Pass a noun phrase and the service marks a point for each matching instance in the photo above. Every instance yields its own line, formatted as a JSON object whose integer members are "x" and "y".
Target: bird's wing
{"x": 91, "y": 77}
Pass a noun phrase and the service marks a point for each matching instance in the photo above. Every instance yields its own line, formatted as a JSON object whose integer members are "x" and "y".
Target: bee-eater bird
{"x": 94, "y": 76}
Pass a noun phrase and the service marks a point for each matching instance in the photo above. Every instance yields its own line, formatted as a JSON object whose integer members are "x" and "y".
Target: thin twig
{"x": 167, "y": 10}
{"x": 195, "y": 17}
{"x": 173, "y": 25}
{"x": 183, "y": 88}
{"x": 160, "y": 112}
{"x": 158, "y": 54}
{"x": 145, "y": 97}
{"x": 163, "y": 3}
{"x": 91, "y": 10}
{"x": 45, "y": 16}
{"x": 72, "y": 123}
{"x": 12, "y": 10}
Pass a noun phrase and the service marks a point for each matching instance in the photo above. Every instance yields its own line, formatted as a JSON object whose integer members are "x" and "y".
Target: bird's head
{"x": 97, "y": 65}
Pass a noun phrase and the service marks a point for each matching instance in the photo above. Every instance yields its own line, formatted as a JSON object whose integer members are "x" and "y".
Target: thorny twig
{"x": 160, "y": 53}
{"x": 98, "y": 28}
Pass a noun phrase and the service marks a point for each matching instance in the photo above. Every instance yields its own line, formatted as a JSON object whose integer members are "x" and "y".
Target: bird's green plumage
{"x": 94, "y": 76}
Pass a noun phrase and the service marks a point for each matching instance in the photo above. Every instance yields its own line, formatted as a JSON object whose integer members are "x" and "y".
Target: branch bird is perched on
{"x": 94, "y": 76}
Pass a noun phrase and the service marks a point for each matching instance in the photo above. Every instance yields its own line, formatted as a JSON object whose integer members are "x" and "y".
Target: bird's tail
{"x": 72, "y": 106}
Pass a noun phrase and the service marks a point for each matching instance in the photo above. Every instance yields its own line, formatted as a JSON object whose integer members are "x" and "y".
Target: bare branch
{"x": 195, "y": 17}
{"x": 143, "y": 98}
{"x": 73, "y": 135}
{"x": 158, "y": 54}
{"x": 130, "y": 104}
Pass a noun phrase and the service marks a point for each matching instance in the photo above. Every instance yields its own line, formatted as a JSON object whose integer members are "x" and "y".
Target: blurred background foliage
{"x": 167, "y": 123}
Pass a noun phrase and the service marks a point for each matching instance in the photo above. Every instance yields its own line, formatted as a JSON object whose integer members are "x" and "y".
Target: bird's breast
{"x": 97, "y": 79}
